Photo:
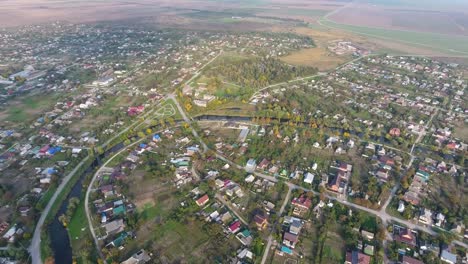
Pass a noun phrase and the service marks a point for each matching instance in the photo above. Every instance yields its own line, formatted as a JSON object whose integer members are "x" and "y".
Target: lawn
{"x": 80, "y": 237}
{"x": 77, "y": 223}
{"x": 46, "y": 197}
{"x": 455, "y": 45}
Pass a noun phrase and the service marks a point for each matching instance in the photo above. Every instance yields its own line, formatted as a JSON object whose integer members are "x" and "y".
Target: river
{"x": 59, "y": 239}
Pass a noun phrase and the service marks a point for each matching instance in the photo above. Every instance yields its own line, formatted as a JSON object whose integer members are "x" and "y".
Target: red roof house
{"x": 303, "y": 202}
{"x": 202, "y": 200}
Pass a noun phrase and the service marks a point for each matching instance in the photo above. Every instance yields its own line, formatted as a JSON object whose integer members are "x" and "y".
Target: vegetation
{"x": 257, "y": 72}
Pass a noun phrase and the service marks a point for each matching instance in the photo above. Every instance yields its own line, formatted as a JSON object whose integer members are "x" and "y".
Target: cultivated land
{"x": 401, "y": 17}
{"x": 451, "y": 45}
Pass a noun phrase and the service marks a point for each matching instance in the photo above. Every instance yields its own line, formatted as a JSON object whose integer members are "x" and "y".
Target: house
{"x": 290, "y": 239}
{"x": 244, "y": 237}
{"x": 119, "y": 241}
{"x": 107, "y": 190}
{"x": 295, "y": 226}
{"x": 135, "y": 110}
{"x": 24, "y": 210}
{"x": 302, "y": 202}
{"x": 309, "y": 178}
{"x": 382, "y": 174}
{"x": 250, "y": 178}
{"x": 235, "y": 226}
{"x": 10, "y": 234}
{"x": 412, "y": 198}
{"x": 273, "y": 170}
{"x": 114, "y": 227}
{"x": 410, "y": 260}
{"x": 156, "y": 138}
{"x": 448, "y": 257}
{"x": 245, "y": 253}
{"x": 395, "y": 132}
{"x": 133, "y": 158}
{"x": 219, "y": 183}
{"x": 356, "y": 257}
{"x": 203, "y": 200}
{"x": 367, "y": 235}
{"x": 425, "y": 216}
{"x": 260, "y": 221}
{"x": 314, "y": 167}
{"x": 401, "y": 207}
{"x": 200, "y": 103}
{"x": 226, "y": 217}
{"x": 141, "y": 257}
{"x": 406, "y": 236}
{"x": 250, "y": 166}
{"x": 440, "y": 219}
{"x": 263, "y": 164}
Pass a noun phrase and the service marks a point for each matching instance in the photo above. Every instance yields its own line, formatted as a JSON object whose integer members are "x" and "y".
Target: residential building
{"x": 448, "y": 257}
{"x": 251, "y": 165}
{"x": 410, "y": 260}
{"x": 356, "y": 257}
{"x": 202, "y": 200}
{"x": 260, "y": 221}
{"x": 141, "y": 257}
{"x": 290, "y": 239}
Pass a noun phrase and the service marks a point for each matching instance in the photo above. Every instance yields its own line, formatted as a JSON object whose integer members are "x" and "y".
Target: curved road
{"x": 35, "y": 247}
{"x": 88, "y": 191}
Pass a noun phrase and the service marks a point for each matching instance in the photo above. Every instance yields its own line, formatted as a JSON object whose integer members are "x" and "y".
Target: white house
{"x": 309, "y": 178}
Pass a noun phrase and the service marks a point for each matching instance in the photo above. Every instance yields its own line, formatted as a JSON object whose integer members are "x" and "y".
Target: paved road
{"x": 283, "y": 83}
{"x": 88, "y": 191}
{"x": 144, "y": 116}
{"x": 386, "y": 218}
{"x": 270, "y": 237}
{"x": 382, "y": 214}
{"x": 35, "y": 247}
{"x": 189, "y": 122}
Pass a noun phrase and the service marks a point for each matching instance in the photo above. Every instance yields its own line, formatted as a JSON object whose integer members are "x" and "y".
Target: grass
{"x": 46, "y": 197}
{"x": 455, "y": 45}
{"x": 150, "y": 212}
{"x": 332, "y": 251}
{"x": 28, "y": 108}
{"x": 77, "y": 223}
{"x": 79, "y": 235}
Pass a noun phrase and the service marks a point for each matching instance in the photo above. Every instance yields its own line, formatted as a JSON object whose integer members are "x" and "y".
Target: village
{"x": 193, "y": 161}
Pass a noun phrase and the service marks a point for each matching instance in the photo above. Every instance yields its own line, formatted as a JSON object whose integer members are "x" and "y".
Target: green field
{"x": 453, "y": 45}
{"x": 301, "y": 12}
{"x": 77, "y": 223}
{"x": 426, "y": 4}
{"x": 27, "y": 108}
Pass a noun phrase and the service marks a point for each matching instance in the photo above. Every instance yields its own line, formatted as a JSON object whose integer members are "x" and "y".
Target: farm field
{"x": 315, "y": 57}
{"x": 451, "y": 45}
{"x": 402, "y": 17}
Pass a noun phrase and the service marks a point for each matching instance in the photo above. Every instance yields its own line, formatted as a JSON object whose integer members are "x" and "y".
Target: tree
{"x": 99, "y": 150}
{"x": 141, "y": 134}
